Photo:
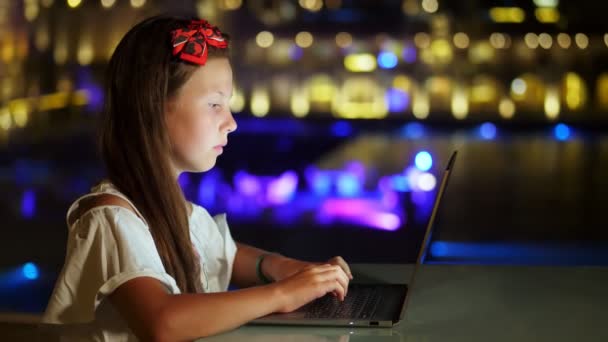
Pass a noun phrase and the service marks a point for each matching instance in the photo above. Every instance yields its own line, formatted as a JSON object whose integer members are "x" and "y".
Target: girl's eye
{"x": 215, "y": 105}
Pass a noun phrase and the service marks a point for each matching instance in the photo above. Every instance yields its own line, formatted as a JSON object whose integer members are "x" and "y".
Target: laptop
{"x": 379, "y": 304}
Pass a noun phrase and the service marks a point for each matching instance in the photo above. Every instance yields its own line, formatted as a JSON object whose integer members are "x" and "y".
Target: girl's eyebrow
{"x": 224, "y": 95}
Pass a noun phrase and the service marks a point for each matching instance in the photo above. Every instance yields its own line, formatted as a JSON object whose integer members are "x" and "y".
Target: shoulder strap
{"x": 101, "y": 199}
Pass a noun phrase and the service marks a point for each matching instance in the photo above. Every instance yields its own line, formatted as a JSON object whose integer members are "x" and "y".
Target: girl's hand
{"x": 312, "y": 282}
{"x": 281, "y": 267}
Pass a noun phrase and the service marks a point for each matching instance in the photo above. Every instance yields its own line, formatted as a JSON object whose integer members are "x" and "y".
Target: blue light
{"x": 28, "y": 204}
{"x": 424, "y": 161}
{"x": 413, "y": 130}
{"x": 347, "y": 185}
{"x": 561, "y": 132}
{"x": 439, "y": 249}
{"x": 409, "y": 54}
{"x": 30, "y": 271}
{"x": 487, "y": 131}
{"x": 295, "y": 52}
{"x": 321, "y": 184}
{"x": 387, "y": 60}
{"x": 341, "y": 129}
{"x": 397, "y": 99}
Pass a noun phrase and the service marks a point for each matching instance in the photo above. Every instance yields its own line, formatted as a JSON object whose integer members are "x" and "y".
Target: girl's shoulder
{"x": 102, "y": 195}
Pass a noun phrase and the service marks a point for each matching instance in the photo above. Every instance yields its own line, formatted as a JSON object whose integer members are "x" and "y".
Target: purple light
{"x": 426, "y": 182}
{"x": 28, "y": 204}
{"x": 360, "y": 211}
{"x": 384, "y": 221}
{"x": 356, "y": 168}
{"x": 208, "y": 187}
{"x": 282, "y": 189}
{"x": 409, "y": 54}
{"x": 397, "y": 100}
{"x": 246, "y": 184}
{"x": 295, "y": 52}
{"x": 184, "y": 180}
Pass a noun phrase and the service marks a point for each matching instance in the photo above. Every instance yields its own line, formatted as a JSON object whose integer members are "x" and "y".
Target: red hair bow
{"x": 190, "y": 44}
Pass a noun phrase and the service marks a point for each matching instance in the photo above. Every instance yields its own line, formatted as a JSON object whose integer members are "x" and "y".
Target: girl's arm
{"x": 244, "y": 267}
{"x": 155, "y": 315}
{"x": 274, "y": 266}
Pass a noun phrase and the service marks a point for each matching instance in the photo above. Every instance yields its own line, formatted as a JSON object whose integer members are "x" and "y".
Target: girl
{"x": 141, "y": 261}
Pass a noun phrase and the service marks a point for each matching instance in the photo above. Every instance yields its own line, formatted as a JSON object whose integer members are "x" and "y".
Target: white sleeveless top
{"x": 110, "y": 245}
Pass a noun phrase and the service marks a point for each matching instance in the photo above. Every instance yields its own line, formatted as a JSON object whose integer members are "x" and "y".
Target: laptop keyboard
{"x": 360, "y": 303}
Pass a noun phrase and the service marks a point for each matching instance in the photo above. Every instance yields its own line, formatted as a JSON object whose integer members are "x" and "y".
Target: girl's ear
{"x": 169, "y": 107}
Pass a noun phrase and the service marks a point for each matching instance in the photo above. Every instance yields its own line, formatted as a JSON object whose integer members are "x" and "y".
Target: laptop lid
{"x": 429, "y": 230}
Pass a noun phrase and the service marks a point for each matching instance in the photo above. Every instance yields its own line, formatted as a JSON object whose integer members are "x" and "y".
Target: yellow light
{"x": 304, "y": 39}
{"x": 547, "y": 15}
{"x": 299, "y": 102}
{"x": 519, "y": 86}
{"x": 420, "y": 103}
{"x": 601, "y": 91}
{"x": 260, "y": 102}
{"x": 5, "y": 119}
{"x": 575, "y": 91}
{"x": 42, "y": 39}
{"x": 237, "y": 101}
{"x": 107, "y": 3}
{"x": 581, "y": 40}
{"x": 232, "y": 5}
{"x": 8, "y": 51}
{"x": 138, "y": 3}
{"x": 7, "y": 88}
{"x": 53, "y": 101}
{"x": 322, "y": 88}
{"x": 403, "y": 82}
{"x": 362, "y": 62}
{"x": 460, "y": 103}
{"x": 60, "y": 54}
{"x": 442, "y": 51}
{"x": 552, "y": 105}
{"x": 422, "y": 40}
{"x": 80, "y": 98}
{"x": 344, "y": 39}
{"x": 461, "y": 40}
{"x": 507, "y": 14}
{"x": 19, "y": 108}
{"x": 564, "y": 40}
{"x": 85, "y": 51}
{"x": 606, "y": 39}
{"x": 360, "y": 98}
{"x": 546, "y": 3}
{"x": 531, "y": 40}
{"x": 430, "y": 6}
{"x": 481, "y": 52}
{"x": 506, "y": 108}
{"x": 264, "y": 39}
{"x": 410, "y": 7}
{"x": 483, "y": 90}
{"x": 311, "y": 5}
{"x": 545, "y": 40}
{"x": 31, "y": 10}
{"x": 498, "y": 40}
{"x": 74, "y": 3}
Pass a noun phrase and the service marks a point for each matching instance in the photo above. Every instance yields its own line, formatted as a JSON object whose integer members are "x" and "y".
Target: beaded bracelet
{"x": 258, "y": 268}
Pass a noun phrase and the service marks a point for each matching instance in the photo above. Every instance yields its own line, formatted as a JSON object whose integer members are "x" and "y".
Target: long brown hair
{"x": 134, "y": 144}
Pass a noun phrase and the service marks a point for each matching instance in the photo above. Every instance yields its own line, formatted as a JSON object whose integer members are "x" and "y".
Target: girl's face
{"x": 199, "y": 119}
